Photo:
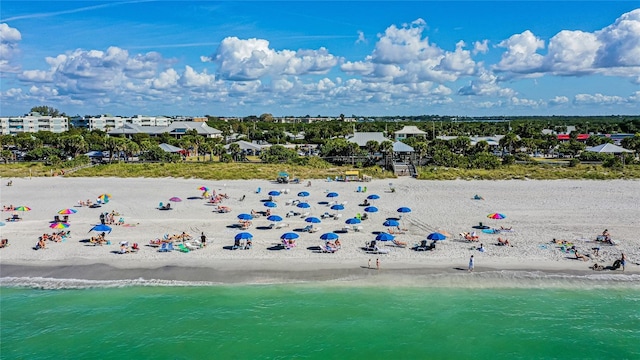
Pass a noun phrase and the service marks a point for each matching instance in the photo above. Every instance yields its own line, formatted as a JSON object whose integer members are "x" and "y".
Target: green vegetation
{"x": 322, "y": 170}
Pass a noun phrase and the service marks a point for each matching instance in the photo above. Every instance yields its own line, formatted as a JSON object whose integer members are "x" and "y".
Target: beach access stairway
{"x": 404, "y": 169}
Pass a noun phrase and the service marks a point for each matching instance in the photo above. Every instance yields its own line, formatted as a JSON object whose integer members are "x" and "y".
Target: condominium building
{"x": 33, "y": 122}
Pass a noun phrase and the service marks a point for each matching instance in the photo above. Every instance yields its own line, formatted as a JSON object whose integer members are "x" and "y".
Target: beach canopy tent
{"x": 608, "y": 149}
{"x": 170, "y": 148}
{"x": 352, "y": 175}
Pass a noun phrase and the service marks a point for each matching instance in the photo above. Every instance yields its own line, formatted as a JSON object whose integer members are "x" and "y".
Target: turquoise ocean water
{"x": 319, "y": 322}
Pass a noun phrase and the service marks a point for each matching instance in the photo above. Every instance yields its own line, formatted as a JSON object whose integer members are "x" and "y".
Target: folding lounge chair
{"x": 163, "y": 248}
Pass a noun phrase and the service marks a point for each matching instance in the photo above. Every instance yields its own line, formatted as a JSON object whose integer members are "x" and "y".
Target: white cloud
{"x": 486, "y": 84}
{"x": 521, "y": 56}
{"x": 613, "y": 51}
{"x": 571, "y": 52}
{"x": 620, "y": 42}
{"x": 480, "y": 47}
{"x": 559, "y": 100}
{"x": 403, "y": 55}
{"x": 9, "y": 39}
{"x": 361, "y": 38}
{"x": 598, "y": 99}
{"x": 252, "y": 59}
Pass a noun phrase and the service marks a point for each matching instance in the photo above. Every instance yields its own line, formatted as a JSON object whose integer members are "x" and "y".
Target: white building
{"x": 32, "y": 123}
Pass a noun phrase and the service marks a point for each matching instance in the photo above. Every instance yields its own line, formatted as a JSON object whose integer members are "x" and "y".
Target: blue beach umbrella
{"x": 391, "y": 223}
{"x": 436, "y": 236}
{"x": 337, "y": 207}
{"x": 329, "y": 236}
{"x": 404, "y": 210}
{"x": 313, "y": 220}
{"x": 352, "y": 221}
{"x": 245, "y": 217}
{"x": 383, "y": 236}
{"x": 332, "y": 194}
{"x": 274, "y": 193}
{"x": 243, "y": 236}
{"x": 303, "y": 205}
{"x": 373, "y": 197}
{"x": 303, "y": 194}
{"x": 270, "y": 204}
{"x": 274, "y": 218}
{"x": 289, "y": 236}
{"x": 101, "y": 228}
{"x": 371, "y": 209}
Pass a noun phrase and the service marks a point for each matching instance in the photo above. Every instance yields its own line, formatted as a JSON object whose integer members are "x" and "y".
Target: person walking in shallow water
{"x": 471, "y": 263}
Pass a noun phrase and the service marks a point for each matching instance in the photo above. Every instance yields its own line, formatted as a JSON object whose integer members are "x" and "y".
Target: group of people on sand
{"x": 54, "y": 237}
{"x": 110, "y": 218}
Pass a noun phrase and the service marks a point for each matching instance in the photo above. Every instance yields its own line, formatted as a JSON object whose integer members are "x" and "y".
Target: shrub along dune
{"x": 244, "y": 171}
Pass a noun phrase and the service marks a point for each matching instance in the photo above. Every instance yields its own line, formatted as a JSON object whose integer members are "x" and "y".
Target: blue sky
{"x": 239, "y": 58}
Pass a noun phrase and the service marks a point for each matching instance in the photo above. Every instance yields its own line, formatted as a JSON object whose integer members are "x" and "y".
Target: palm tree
{"x": 509, "y": 141}
{"x": 387, "y": 148}
{"x": 235, "y": 151}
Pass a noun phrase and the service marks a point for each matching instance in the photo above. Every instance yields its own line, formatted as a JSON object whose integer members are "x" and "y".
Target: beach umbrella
{"x": 436, "y": 236}
{"x": 67, "y": 211}
{"x": 371, "y": 209}
{"x": 337, "y": 207}
{"x": 383, "y": 236}
{"x": 101, "y": 228}
{"x": 391, "y": 223}
{"x": 332, "y": 194}
{"x": 496, "y": 216}
{"x": 270, "y": 204}
{"x": 352, "y": 221}
{"x": 274, "y": 193}
{"x": 245, "y": 216}
{"x": 274, "y": 218}
{"x": 203, "y": 188}
{"x": 313, "y": 220}
{"x": 59, "y": 225}
{"x": 104, "y": 197}
{"x": 303, "y": 205}
{"x": 22, "y": 208}
{"x": 303, "y": 194}
{"x": 243, "y": 236}
{"x": 289, "y": 236}
{"x": 373, "y": 197}
{"x": 404, "y": 210}
{"x": 329, "y": 236}
{"x": 175, "y": 199}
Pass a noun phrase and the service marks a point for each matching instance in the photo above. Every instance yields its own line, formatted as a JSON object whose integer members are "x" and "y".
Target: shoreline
{"x": 574, "y": 210}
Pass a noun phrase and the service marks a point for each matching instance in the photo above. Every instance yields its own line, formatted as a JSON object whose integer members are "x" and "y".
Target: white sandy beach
{"x": 538, "y": 211}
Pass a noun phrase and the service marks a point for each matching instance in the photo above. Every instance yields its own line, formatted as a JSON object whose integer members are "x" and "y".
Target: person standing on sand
{"x": 471, "y": 263}
{"x": 378, "y": 263}
{"x": 623, "y": 261}
{"x": 369, "y": 264}
{"x": 203, "y": 239}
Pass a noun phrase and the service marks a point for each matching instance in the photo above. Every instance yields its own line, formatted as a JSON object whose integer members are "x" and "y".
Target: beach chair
{"x": 378, "y": 250}
{"x": 258, "y": 190}
{"x": 183, "y": 248}
{"x": 57, "y": 218}
{"x": 191, "y": 246}
{"x": 364, "y": 189}
{"x": 357, "y": 228}
{"x": 359, "y": 189}
{"x": 337, "y": 216}
{"x": 422, "y": 246}
{"x": 281, "y": 225}
{"x": 164, "y": 247}
{"x": 370, "y": 245}
{"x": 170, "y": 246}
{"x": 304, "y": 215}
